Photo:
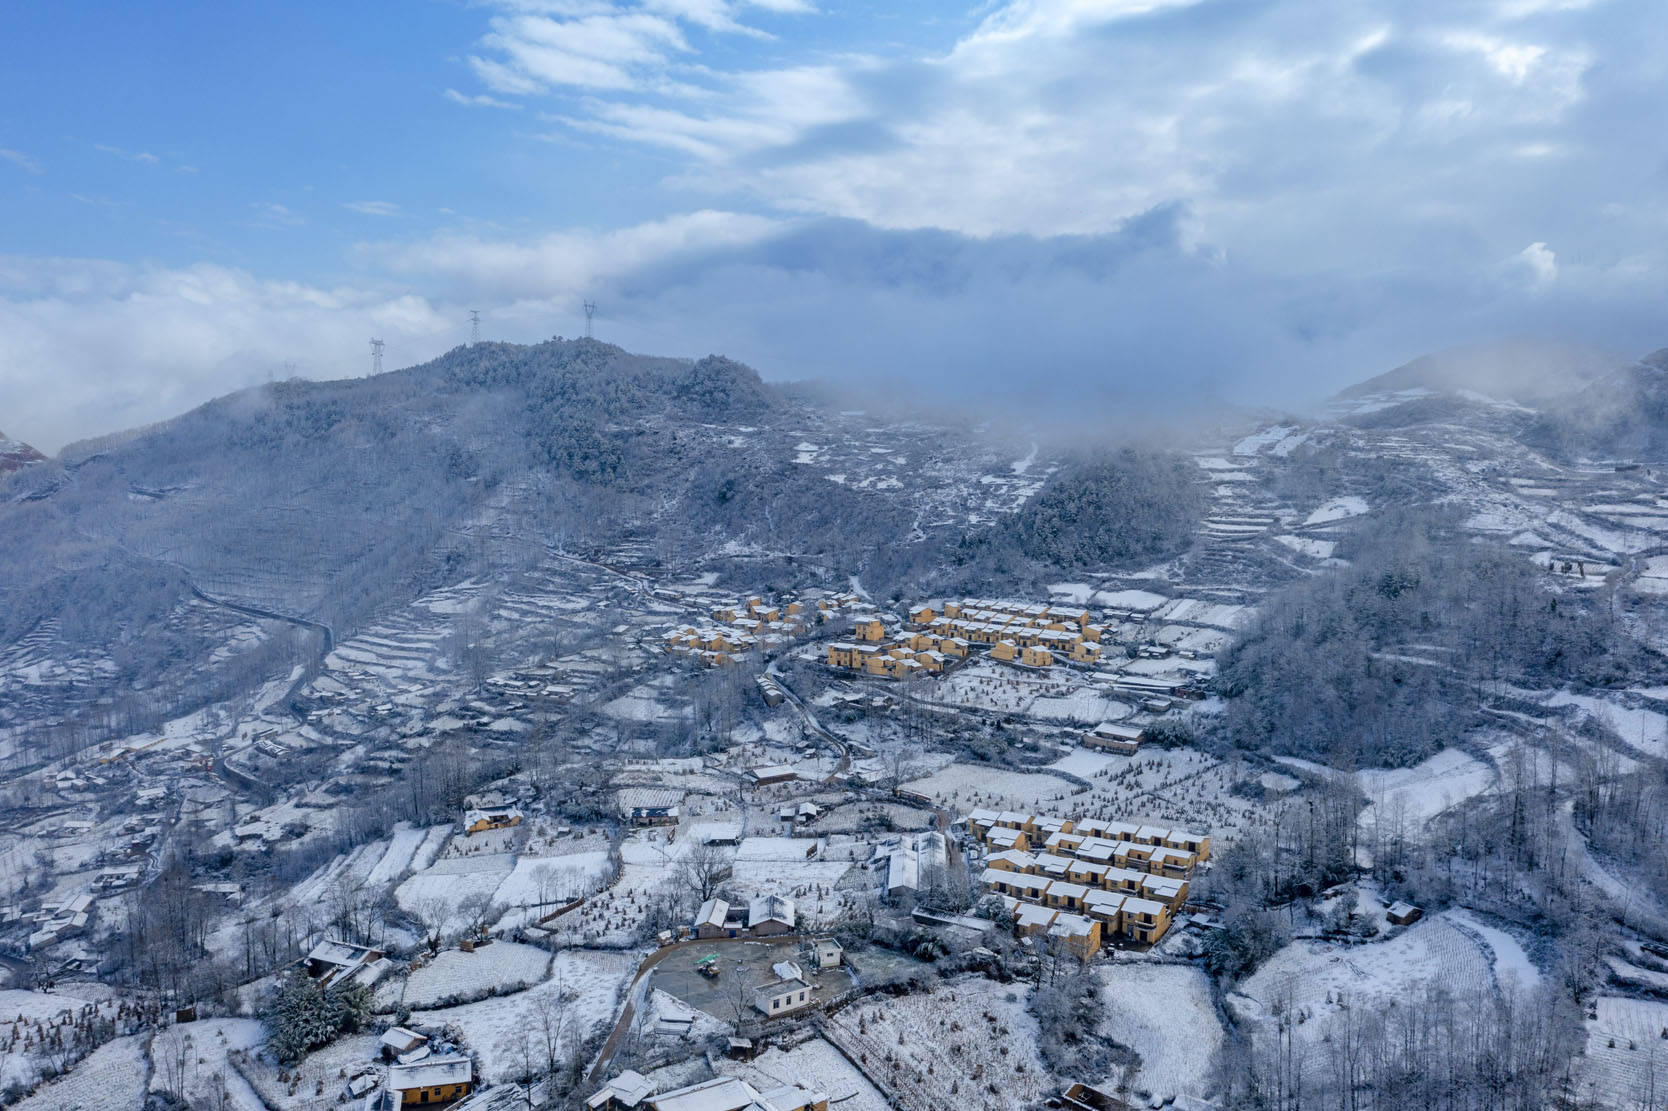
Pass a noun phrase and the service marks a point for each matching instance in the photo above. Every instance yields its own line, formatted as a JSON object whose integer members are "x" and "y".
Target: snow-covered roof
{"x": 400, "y": 1040}
{"x": 713, "y": 912}
{"x": 768, "y": 908}
{"x": 627, "y": 1089}
{"x": 433, "y": 1073}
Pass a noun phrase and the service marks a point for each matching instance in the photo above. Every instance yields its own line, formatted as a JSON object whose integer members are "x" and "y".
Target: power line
{"x": 474, "y": 327}
{"x": 590, "y": 311}
{"x": 376, "y": 356}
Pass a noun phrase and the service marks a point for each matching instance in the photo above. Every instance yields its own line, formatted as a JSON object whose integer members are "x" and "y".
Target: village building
{"x": 827, "y": 953}
{"x": 1129, "y": 879}
{"x": 332, "y": 961}
{"x": 482, "y": 819}
{"x": 770, "y": 915}
{"x": 1402, "y": 913}
{"x": 787, "y": 991}
{"x": 623, "y": 1093}
{"x": 433, "y": 1080}
{"x": 772, "y": 773}
{"x": 650, "y": 806}
{"x": 1111, "y": 736}
{"x": 397, "y": 1041}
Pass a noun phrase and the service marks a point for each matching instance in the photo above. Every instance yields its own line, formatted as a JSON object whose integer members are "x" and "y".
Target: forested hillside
{"x": 1375, "y": 663}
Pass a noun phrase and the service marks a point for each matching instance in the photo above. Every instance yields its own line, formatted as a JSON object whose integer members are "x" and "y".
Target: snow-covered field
{"x": 538, "y": 880}
{"x": 965, "y": 786}
{"x": 970, "y": 1032}
{"x": 1626, "y": 1064}
{"x": 438, "y": 893}
{"x": 1166, "y": 1015}
{"x": 493, "y": 969}
{"x": 1338, "y": 509}
{"x": 1318, "y": 981}
{"x": 112, "y": 1078}
{"x": 192, "y": 1055}
{"x": 816, "y": 1065}
{"x": 1417, "y": 794}
{"x": 589, "y": 981}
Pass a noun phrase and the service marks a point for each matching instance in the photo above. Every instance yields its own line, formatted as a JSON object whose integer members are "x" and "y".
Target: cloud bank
{"x": 1113, "y": 200}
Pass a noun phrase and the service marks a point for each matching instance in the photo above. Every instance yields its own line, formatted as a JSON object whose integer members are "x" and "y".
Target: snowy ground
{"x": 1417, "y": 794}
{"x": 1166, "y": 1015}
{"x": 590, "y": 982}
{"x": 967, "y": 1043}
{"x": 112, "y": 1078}
{"x": 453, "y": 974}
{"x": 1626, "y": 1064}
{"x": 193, "y": 1055}
{"x": 966, "y": 786}
{"x": 1319, "y": 981}
{"x": 316, "y": 1082}
{"x": 438, "y": 894}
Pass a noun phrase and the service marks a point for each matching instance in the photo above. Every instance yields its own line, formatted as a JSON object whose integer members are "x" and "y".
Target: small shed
{"x": 1403, "y": 914}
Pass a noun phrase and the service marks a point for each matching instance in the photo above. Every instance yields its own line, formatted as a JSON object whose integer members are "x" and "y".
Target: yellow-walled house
{"x": 1037, "y": 657}
{"x": 870, "y": 629}
{"x": 841, "y": 654}
{"x": 432, "y": 1080}
{"x": 1004, "y": 650}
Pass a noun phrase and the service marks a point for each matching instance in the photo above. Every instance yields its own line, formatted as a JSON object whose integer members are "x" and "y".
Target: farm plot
{"x": 112, "y": 1078}
{"x": 648, "y": 864}
{"x": 1165, "y": 1014}
{"x": 316, "y": 1082}
{"x": 454, "y": 976}
{"x": 1627, "y": 1055}
{"x": 966, "y": 786}
{"x": 24, "y": 1013}
{"x": 445, "y": 894}
{"x": 190, "y": 1059}
{"x": 816, "y": 1065}
{"x": 584, "y": 986}
{"x": 397, "y": 857}
{"x": 544, "y": 881}
{"x": 968, "y": 1042}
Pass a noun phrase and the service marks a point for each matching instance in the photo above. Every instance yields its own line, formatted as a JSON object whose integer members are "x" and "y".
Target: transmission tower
{"x": 474, "y": 327}
{"x": 376, "y": 356}
{"x": 590, "y": 311}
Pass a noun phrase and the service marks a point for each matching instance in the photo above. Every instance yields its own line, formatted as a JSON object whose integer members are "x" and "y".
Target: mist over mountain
{"x": 1523, "y": 370}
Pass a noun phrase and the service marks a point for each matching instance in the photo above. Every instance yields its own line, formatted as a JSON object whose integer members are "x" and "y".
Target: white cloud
{"x": 94, "y": 346}
{"x": 20, "y": 160}
{"x": 1541, "y": 263}
{"x": 625, "y": 47}
{"x": 478, "y": 100}
{"x": 270, "y": 214}
{"x": 144, "y": 156}
{"x": 561, "y": 265}
{"x": 373, "y": 208}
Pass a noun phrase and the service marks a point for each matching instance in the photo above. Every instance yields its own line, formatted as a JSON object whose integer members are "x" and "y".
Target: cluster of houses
{"x": 63, "y": 920}
{"x": 631, "y": 1091}
{"x": 765, "y": 916}
{"x": 936, "y": 635}
{"x": 738, "y": 628}
{"x": 1085, "y": 881}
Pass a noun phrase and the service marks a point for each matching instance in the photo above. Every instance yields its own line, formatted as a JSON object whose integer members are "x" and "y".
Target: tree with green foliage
{"x": 307, "y": 1015}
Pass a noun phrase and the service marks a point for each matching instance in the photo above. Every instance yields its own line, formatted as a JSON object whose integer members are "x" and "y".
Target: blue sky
{"x": 1111, "y": 199}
